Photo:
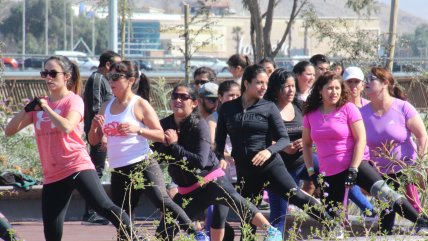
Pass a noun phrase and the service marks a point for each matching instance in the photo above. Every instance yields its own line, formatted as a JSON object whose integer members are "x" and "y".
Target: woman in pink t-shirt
{"x": 335, "y": 126}
{"x": 66, "y": 164}
{"x": 391, "y": 122}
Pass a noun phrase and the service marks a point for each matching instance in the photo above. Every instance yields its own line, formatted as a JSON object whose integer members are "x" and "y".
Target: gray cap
{"x": 209, "y": 89}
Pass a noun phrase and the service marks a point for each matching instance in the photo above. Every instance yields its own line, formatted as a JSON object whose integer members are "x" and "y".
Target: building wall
{"x": 220, "y": 38}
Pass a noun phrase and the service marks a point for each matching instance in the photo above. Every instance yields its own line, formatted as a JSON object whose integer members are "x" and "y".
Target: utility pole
{"x": 392, "y": 34}
{"x": 72, "y": 29}
{"x": 186, "y": 43}
{"x": 65, "y": 25}
{"x": 93, "y": 32}
{"x": 23, "y": 31}
{"x": 46, "y": 27}
{"x": 112, "y": 38}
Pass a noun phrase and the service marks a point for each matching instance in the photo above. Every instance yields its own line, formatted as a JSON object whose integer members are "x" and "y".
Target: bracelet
{"x": 353, "y": 169}
{"x": 311, "y": 170}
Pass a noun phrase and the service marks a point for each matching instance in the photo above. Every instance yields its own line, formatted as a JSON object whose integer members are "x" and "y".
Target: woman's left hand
{"x": 127, "y": 128}
{"x": 171, "y": 136}
{"x": 261, "y": 157}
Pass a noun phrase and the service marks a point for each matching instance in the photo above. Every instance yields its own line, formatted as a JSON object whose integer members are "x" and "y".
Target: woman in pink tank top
{"x": 66, "y": 164}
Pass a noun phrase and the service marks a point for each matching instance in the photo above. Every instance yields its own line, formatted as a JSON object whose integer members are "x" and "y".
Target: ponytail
{"x": 75, "y": 83}
{"x": 143, "y": 88}
{"x": 397, "y": 92}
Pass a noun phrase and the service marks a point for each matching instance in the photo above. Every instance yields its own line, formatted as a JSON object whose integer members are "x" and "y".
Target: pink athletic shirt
{"x": 61, "y": 154}
{"x": 390, "y": 127}
{"x": 333, "y": 138}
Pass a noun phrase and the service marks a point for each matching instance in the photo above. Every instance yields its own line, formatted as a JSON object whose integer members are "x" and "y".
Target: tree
{"x": 192, "y": 31}
{"x": 261, "y": 34}
{"x": 237, "y": 36}
{"x": 35, "y": 27}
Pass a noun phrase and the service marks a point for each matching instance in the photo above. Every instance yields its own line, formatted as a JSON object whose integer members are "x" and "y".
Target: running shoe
{"x": 94, "y": 219}
{"x": 421, "y": 227}
{"x": 201, "y": 236}
{"x": 273, "y": 234}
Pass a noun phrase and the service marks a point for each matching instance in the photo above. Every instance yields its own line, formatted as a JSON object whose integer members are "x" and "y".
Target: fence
{"x": 19, "y": 88}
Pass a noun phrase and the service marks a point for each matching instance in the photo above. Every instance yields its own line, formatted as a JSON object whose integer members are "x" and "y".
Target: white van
{"x": 83, "y": 61}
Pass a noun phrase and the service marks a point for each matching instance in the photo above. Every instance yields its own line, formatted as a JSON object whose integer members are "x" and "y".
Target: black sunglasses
{"x": 115, "y": 76}
{"x": 51, "y": 73}
{"x": 211, "y": 100}
{"x": 180, "y": 96}
{"x": 200, "y": 81}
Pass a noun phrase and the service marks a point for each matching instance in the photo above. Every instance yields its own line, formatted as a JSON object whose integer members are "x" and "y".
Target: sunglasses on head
{"x": 115, "y": 76}
{"x": 200, "y": 82}
{"x": 184, "y": 97}
{"x": 50, "y": 73}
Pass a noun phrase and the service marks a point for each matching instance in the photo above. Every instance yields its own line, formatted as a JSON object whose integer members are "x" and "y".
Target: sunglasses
{"x": 183, "y": 97}
{"x": 200, "y": 82}
{"x": 372, "y": 77}
{"x": 211, "y": 100}
{"x": 115, "y": 76}
{"x": 50, "y": 73}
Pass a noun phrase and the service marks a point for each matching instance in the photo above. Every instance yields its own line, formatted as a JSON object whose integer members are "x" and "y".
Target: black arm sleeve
{"x": 96, "y": 93}
{"x": 220, "y": 135}
{"x": 276, "y": 125}
{"x": 198, "y": 156}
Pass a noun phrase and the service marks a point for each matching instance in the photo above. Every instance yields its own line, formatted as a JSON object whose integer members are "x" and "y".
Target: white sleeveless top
{"x": 124, "y": 150}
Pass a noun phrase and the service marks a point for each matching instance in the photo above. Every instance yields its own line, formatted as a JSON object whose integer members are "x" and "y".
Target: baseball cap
{"x": 353, "y": 73}
{"x": 209, "y": 89}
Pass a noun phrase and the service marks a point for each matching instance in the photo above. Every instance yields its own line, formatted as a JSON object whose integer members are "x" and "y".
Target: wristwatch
{"x": 140, "y": 131}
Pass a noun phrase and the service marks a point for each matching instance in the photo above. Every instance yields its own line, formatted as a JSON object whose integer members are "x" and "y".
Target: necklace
{"x": 326, "y": 115}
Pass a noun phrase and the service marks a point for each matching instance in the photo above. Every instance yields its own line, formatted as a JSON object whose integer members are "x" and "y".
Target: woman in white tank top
{"x": 128, "y": 122}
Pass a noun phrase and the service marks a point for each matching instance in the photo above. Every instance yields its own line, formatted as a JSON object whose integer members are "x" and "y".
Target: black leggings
{"x": 56, "y": 197}
{"x": 154, "y": 187}
{"x": 275, "y": 177}
{"x": 219, "y": 191}
{"x": 367, "y": 176}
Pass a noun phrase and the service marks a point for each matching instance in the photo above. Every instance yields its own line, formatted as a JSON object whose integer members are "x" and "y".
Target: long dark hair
{"x": 314, "y": 100}
{"x": 239, "y": 60}
{"x": 225, "y": 86}
{"x": 393, "y": 89}
{"x": 250, "y": 73}
{"x": 143, "y": 87}
{"x": 126, "y": 67}
{"x": 276, "y": 83}
{"x": 69, "y": 67}
{"x": 298, "y": 69}
{"x": 268, "y": 60}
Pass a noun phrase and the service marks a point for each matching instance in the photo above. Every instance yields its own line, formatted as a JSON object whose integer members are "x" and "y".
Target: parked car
{"x": 83, "y": 61}
{"x": 145, "y": 65}
{"x": 34, "y": 63}
{"x": 10, "y": 63}
{"x": 207, "y": 61}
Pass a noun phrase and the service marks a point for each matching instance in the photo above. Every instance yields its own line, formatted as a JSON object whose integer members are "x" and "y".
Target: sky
{"x": 416, "y": 7}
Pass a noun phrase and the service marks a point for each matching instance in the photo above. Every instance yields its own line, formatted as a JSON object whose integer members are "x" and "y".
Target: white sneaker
{"x": 338, "y": 233}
